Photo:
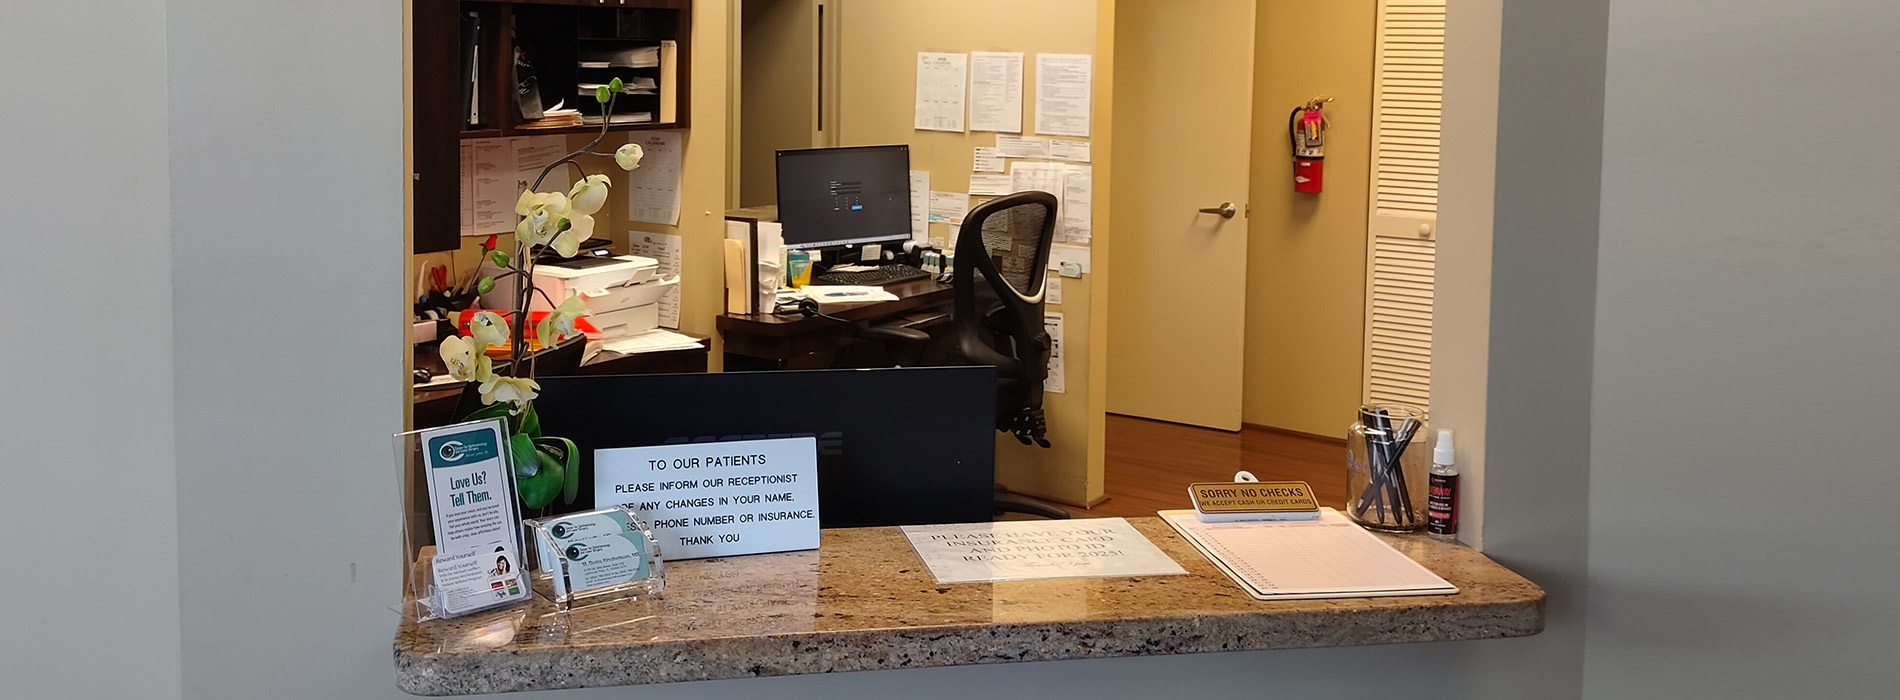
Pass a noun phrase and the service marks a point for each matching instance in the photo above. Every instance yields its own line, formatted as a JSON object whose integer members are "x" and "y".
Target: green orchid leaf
{"x": 615, "y": 86}
{"x": 531, "y": 423}
{"x": 563, "y": 451}
{"x": 526, "y": 466}
{"x": 484, "y": 285}
{"x": 539, "y": 490}
{"x": 601, "y": 94}
{"x": 500, "y": 258}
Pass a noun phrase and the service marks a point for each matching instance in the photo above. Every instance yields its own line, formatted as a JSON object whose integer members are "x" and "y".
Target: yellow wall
{"x": 880, "y": 42}
{"x": 780, "y": 88}
{"x": 1306, "y": 259}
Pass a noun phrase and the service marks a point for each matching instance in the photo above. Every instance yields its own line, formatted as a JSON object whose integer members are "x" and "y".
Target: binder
{"x": 669, "y": 74}
{"x": 754, "y": 276}
{"x": 471, "y": 70}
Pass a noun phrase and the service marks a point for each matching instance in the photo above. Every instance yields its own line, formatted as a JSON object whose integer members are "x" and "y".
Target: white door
{"x": 1402, "y": 236}
{"x": 1183, "y": 119}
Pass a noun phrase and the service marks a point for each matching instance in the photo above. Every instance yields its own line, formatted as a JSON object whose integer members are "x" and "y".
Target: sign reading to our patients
{"x": 1018, "y": 550}
{"x": 477, "y": 530}
{"x": 717, "y": 499}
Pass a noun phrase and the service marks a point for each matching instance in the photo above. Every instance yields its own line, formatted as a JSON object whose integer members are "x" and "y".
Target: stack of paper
{"x": 637, "y": 57}
{"x": 1290, "y": 560}
{"x": 656, "y": 340}
{"x": 621, "y": 118}
{"x": 557, "y": 118}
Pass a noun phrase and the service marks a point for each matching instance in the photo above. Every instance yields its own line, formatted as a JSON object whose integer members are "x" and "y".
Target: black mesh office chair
{"x": 1002, "y": 255}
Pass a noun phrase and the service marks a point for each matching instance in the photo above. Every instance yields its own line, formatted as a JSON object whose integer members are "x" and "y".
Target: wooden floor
{"x": 1151, "y": 463}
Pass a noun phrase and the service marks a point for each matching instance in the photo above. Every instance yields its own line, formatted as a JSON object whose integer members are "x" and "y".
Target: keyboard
{"x": 885, "y": 275}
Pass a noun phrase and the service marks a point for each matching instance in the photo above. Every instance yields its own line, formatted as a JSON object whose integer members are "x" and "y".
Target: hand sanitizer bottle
{"x": 1441, "y": 500}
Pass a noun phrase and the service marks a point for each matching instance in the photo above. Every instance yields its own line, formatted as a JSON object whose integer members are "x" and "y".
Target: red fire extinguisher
{"x": 1306, "y": 131}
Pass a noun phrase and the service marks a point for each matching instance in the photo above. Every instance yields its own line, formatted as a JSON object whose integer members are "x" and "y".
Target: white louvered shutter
{"x": 1401, "y": 245}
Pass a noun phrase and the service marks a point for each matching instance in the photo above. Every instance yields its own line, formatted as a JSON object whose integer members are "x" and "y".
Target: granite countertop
{"x": 863, "y": 601}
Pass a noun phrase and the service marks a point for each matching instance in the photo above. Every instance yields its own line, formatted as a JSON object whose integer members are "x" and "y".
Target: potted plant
{"x": 545, "y": 466}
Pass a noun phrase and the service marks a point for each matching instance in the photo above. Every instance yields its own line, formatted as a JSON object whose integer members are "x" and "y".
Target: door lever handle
{"x": 1226, "y": 210}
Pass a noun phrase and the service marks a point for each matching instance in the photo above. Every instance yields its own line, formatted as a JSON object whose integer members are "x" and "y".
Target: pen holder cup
{"x": 1387, "y": 467}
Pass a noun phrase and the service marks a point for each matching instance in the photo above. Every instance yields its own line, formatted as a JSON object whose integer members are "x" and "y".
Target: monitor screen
{"x": 844, "y": 196}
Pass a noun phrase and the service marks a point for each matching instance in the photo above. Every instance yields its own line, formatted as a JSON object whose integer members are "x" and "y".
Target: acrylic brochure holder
{"x": 461, "y": 525}
{"x": 597, "y": 556}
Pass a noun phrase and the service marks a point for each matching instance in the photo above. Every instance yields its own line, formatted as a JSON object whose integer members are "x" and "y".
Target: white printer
{"x": 623, "y": 292}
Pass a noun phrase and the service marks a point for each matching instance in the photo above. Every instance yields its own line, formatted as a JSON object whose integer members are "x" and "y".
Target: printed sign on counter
{"x": 717, "y": 499}
{"x": 1020, "y": 550}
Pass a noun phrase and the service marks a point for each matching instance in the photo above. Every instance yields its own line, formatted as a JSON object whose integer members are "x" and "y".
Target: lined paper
{"x": 1327, "y": 558}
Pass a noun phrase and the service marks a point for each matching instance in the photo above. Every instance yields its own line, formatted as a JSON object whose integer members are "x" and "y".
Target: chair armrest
{"x": 894, "y": 334}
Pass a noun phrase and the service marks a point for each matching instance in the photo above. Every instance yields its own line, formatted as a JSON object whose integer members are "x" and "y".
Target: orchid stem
{"x": 525, "y": 263}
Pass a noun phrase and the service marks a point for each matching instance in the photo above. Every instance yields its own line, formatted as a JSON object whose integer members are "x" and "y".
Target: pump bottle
{"x": 1441, "y": 500}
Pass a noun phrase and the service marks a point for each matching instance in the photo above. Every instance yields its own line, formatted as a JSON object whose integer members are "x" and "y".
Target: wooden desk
{"x": 792, "y": 341}
{"x": 433, "y": 407}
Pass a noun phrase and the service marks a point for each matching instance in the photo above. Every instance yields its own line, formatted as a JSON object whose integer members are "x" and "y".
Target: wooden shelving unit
{"x": 555, "y": 35}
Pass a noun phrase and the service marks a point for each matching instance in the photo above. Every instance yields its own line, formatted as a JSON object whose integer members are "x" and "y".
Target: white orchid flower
{"x": 567, "y": 243}
{"x": 559, "y": 325}
{"x": 628, "y": 156}
{"x": 588, "y": 195}
{"x": 541, "y": 214}
{"x": 465, "y": 362}
{"x": 515, "y": 390}
{"x": 488, "y": 329}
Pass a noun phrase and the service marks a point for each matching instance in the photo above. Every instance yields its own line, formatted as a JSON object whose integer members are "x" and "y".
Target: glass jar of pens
{"x": 1387, "y": 464}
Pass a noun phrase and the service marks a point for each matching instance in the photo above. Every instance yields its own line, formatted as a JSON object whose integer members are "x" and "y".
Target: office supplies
{"x": 736, "y": 287}
{"x": 471, "y": 41}
{"x": 669, "y": 81}
{"x": 757, "y": 273}
{"x": 876, "y": 276}
{"x": 839, "y": 294}
{"x": 1441, "y": 502}
{"x": 842, "y": 198}
{"x": 1385, "y": 485}
{"x": 932, "y": 461}
{"x": 1025, "y": 549}
{"x": 1326, "y": 558}
{"x": 656, "y": 340}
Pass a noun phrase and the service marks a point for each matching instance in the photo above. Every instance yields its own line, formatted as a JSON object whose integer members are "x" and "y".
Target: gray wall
{"x": 87, "y": 481}
{"x": 1744, "y": 464}
{"x": 287, "y": 256}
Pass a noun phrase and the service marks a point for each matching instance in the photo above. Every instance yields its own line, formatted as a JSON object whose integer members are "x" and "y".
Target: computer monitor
{"x": 900, "y": 446}
{"x": 841, "y": 197}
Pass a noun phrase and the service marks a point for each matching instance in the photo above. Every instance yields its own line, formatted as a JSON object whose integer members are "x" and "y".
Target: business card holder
{"x": 596, "y": 557}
